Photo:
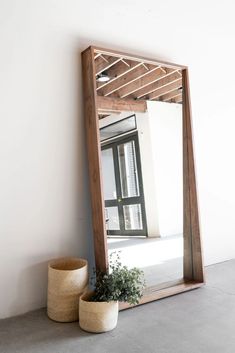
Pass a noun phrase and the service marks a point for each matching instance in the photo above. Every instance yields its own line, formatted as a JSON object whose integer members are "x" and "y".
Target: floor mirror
{"x": 141, "y": 169}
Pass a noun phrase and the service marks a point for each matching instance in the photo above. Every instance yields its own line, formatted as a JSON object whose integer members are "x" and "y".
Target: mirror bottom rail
{"x": 159, "y": 292}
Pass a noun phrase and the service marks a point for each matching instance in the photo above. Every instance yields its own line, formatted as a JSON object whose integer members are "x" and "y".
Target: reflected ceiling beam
{"x": 97, "y": 55}
{"x": 104, "y": 113}
{"x": 145, "y": 81}
{"x": 116, "y": 53}
{"x": 156, "y": 85}
{"x": 116, "y": 105}
{"x": 127, "y": 78}
{"x": 165, "y": 89}
{"x": 171, "y": 95}
{"x": 118, "y": 71}
{"x": 178, "y": 99}
{"x": 103, "y": 63}
{"x": 180, "y": 73}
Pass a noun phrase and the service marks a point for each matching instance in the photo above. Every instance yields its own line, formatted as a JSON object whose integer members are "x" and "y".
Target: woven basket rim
{"x": 79, "y": 263}
{"x": 86, "y": 295}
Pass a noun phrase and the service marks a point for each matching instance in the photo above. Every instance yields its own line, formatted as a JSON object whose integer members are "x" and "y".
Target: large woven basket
{"x": 67, "y": 280}
{"x": 97, "y": 316}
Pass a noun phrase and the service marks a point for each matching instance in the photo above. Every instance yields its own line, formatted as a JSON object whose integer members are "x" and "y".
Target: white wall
{"x": 44, "y": 199}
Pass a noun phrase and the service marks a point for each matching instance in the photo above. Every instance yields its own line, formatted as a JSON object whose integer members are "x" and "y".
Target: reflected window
{"x": 118, "y": 128}
{"x": 128, "y": 169}
{"x": 132, "y": 217}
{"x": 108, "y": 174}
{"x": 112, "y": 218}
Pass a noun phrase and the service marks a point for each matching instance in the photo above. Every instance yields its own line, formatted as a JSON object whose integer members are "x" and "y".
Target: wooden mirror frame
{"x": 193, "y": 259}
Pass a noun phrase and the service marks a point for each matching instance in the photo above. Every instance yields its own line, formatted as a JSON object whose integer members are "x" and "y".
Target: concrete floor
{"x": 200, "y": 321}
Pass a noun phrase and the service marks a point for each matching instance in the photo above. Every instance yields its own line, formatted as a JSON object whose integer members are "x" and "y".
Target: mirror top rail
{"x": 128, "y": 56}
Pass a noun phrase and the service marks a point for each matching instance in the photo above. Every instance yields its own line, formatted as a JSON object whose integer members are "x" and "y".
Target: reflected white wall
{"x": 166, "y": 138}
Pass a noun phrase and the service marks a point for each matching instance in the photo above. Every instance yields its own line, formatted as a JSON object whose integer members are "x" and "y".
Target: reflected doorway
{"x": 123, "y": 187}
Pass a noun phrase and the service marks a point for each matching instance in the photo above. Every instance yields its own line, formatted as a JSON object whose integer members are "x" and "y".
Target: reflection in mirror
{"x": 142, "y": 166}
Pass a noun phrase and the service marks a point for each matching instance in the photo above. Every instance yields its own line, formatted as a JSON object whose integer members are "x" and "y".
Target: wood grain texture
{"x": 99, "y": 50}
{"x": 164, "y": 86}
{"x": 118, "y": 70}
{"x": 193, "y": 261}
{"x": 177, "y": 99}
{"x": 102, "y": 65}
{"x": 173, "y": 94}
{"x": 188, "y": 265}
{"x": 144, "y": 81}
{"x": 126, "y": 79}
{"x": 117, "y": 104}
{"x": 157, "y": 294}
{"x": 94, "y": 159}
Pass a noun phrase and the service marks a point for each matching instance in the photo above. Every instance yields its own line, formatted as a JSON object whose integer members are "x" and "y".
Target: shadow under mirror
{"x": 142, "y": 165}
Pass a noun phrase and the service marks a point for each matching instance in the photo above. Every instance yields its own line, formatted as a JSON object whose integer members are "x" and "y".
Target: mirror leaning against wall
{"x": 141, "y": 167}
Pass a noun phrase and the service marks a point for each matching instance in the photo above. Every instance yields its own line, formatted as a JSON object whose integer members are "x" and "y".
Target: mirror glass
{"x": 142, "y": 165}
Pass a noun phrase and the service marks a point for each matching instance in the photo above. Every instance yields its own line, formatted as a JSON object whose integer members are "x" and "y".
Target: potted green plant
{"x": 98, "y": 310}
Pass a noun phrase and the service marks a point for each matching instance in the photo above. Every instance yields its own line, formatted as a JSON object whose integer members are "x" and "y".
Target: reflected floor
{"x": 161, "y": 259}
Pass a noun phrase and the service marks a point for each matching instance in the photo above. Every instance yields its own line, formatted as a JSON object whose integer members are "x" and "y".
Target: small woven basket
{"x": 67, "y": 280}
{"x": 97, "y": 317}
